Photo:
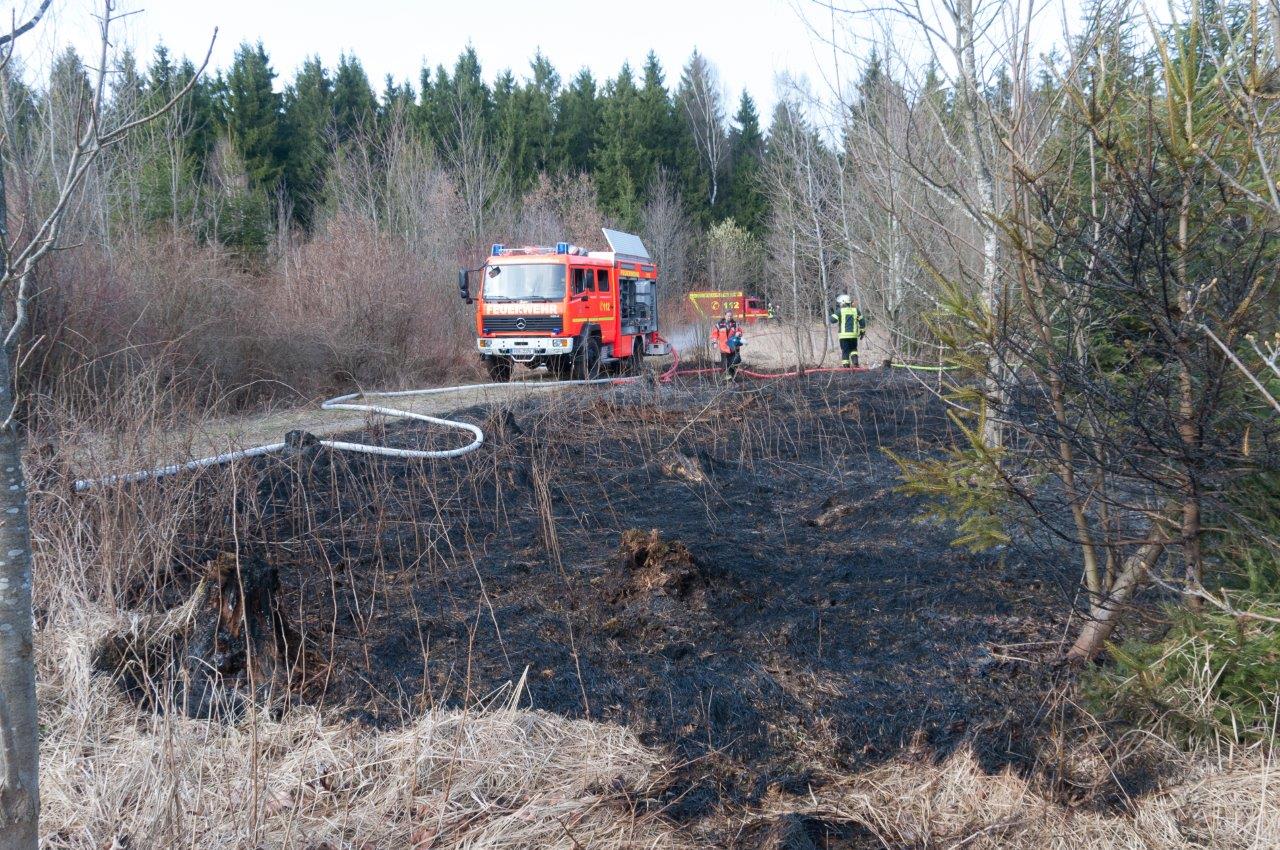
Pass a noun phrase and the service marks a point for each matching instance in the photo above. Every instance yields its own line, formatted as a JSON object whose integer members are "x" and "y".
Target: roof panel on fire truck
{"x": 626, "y": 244}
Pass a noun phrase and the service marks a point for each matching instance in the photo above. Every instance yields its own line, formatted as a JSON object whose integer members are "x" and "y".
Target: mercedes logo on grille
{"x": 520, "y": 324}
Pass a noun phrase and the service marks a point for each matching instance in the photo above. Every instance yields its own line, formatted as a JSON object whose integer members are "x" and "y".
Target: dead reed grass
{"x": 489, "y": 778}
{"x": 1225, "y": 802}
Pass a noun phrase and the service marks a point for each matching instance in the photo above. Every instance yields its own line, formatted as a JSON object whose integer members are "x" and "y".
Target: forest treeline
{"x": 276, "y": 146}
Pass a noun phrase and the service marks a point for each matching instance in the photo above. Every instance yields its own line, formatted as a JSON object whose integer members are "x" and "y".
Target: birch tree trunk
{"x": 19, "y": 726}
{"x": 977, "y": 137}
{"x": 1104, "y": 616}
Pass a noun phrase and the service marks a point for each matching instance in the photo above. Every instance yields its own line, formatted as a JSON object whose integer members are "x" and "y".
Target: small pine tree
{"x": 747, "y": 203}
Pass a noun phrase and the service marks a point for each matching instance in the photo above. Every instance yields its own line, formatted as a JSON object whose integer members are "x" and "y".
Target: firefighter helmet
{"x": 843, "y": 299}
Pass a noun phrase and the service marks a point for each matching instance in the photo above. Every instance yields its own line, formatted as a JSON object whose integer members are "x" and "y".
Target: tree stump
{"x": 229, "y": 642}
{"x": 240, "y": 643}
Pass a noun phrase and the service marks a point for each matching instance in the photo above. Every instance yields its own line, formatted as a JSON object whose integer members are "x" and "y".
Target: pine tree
{"x": 577, "y": 129}
{"x": 396, "y": 103}
{"x": 69, "y": 94}
{"x": 137, "y": 155}
{"x": 747, "y": 203}
{"x": 525, "y": 119}
{"x": 206, "y": 121}
{"x": 254, "y": 117}
{"x": 509, "y": 136}
{"x": 309, "y": 117}
{"x": 21, "y": 103}
{"x": 424, "y": 113}
{"x": 467, "y": 98}
{"x": 657, "y": 126}
{"x": 538, "y": 119}
{"x": 161, "y": 74}
{"x": 128, "y": 86}
{"x": 450, "y": 104}
{"x": 166, "y": 173}
{"x": 354, "y": 104}
{"x": 616, "y": 151}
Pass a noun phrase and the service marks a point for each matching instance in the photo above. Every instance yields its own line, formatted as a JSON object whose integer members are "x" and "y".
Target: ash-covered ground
{"x": 728, "y": 570}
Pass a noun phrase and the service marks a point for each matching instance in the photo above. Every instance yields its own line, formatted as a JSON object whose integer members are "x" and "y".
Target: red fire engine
{"x": 572, "y": 310}
{"x": 745, "y": 307}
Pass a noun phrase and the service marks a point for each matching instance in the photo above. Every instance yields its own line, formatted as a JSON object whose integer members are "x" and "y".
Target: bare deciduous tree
{"x": 482, "y": 183}
{"x": 800, "y": 177}
{"x": 701, "y": 99}
{"x": 22, "y": 250}
{"x": 665, "y": 228}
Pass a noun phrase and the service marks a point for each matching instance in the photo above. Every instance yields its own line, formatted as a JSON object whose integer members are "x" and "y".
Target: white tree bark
{"x": 19, "y": 723}
{"x": 703, "y": 104}
{"x": 19, "y": 727}
{"x": 975, "y": 123}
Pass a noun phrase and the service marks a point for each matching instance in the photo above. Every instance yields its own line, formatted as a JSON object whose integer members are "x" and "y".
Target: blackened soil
{"x": 796, "y": 617}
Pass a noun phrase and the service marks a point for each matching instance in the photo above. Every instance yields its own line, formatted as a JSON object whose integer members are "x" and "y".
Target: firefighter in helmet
{"x": 849, "y": 323}
{"x": 727, "y": 336}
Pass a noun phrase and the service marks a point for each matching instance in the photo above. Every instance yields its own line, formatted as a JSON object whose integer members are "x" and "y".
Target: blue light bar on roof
{"x": 497, "y": 249}
{"x": 562, "y": 247}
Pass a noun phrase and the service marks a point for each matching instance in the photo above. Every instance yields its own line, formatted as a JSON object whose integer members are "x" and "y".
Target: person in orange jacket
{"x": 727, "y": 336}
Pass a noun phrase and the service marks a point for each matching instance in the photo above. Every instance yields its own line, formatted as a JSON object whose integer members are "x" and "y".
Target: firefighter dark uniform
{"x": 728, "y": 339}
{"x": 849, "y": 323}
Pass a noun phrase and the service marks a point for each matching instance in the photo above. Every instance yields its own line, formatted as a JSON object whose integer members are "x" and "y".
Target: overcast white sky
{"x": 750, "y": 41}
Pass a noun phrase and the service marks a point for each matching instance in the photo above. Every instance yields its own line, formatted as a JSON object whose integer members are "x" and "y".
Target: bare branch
{"x": 124, "y": 129}
{"x": 27, "y": 27}
{"x": 1231, "y": 355}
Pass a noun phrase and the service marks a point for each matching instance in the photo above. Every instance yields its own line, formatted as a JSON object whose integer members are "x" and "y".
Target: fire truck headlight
{"x": 560, "y": 343}
{"x": 486, "y": 343}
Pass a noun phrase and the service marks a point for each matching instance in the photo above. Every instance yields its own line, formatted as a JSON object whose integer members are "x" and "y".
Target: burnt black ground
{"x": 794, "y": 649}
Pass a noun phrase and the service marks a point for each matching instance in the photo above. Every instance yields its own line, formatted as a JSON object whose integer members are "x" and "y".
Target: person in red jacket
{"x": 727, "y": 336}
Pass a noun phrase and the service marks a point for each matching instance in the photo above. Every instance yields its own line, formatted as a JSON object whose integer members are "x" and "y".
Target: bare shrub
{"x": 355, "y": 306}
{"x": 164, "y": 303}
{"x": 562, "y": 209}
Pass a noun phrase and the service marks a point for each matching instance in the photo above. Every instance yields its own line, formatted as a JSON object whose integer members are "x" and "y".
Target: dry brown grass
{"x": 491, "y": 778}
{"x": 1220, "y": 803}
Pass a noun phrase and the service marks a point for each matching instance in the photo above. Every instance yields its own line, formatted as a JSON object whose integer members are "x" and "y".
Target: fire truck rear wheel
{"x": 499, "y": 368}
{"x": 636, "y": 364}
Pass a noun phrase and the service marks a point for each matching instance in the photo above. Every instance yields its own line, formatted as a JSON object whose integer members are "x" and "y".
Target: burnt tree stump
{"x": 229, "y": 642}
{"x": 239, "y": 643}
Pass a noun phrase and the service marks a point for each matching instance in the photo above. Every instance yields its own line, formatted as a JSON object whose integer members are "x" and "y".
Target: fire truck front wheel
{"x": 587, "y": 364}
{"x": 499, "y": 368}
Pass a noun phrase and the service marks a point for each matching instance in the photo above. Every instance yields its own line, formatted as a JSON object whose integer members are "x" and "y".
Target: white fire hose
{"x": 348, "y": 402}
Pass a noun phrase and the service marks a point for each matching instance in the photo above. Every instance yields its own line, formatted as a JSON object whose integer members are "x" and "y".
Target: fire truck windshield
{"x": 525, "y": 282}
